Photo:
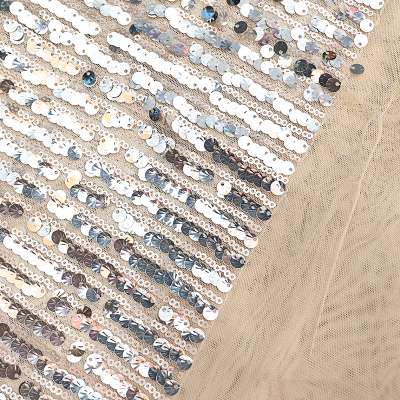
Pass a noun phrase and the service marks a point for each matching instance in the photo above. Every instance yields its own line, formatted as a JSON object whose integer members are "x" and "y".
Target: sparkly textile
{"x": 144, "y": 147}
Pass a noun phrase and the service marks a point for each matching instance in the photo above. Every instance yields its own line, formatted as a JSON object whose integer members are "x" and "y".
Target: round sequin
{"x": 209, "y": 14}
{"x": 357, "y": 69}
{"x": 240, "y": 27}
{"x": 89, "y": 78}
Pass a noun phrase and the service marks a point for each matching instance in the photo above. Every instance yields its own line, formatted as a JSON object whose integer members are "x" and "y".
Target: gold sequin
{"x": 73, "y": 178}
{"x": 47, "y": 241}
{"x": 146, "y": 132}
{"x": 60, "y": 196}
{"x": 34, "y": 224}
{"x": 19, "y": 282}
{"x": 32, "y": 45}
{"x": 125, "y": 97}
{"x": 107, "y": 117}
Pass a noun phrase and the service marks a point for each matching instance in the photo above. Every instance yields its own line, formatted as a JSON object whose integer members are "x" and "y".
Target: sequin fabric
{"x": 144, "y": 146}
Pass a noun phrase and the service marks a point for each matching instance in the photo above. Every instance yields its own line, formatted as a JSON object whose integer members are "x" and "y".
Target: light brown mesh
{"x": 315, "y": 315}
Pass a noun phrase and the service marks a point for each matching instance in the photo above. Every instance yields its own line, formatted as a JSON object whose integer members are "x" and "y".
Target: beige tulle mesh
{"x": 316, "y": 313}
